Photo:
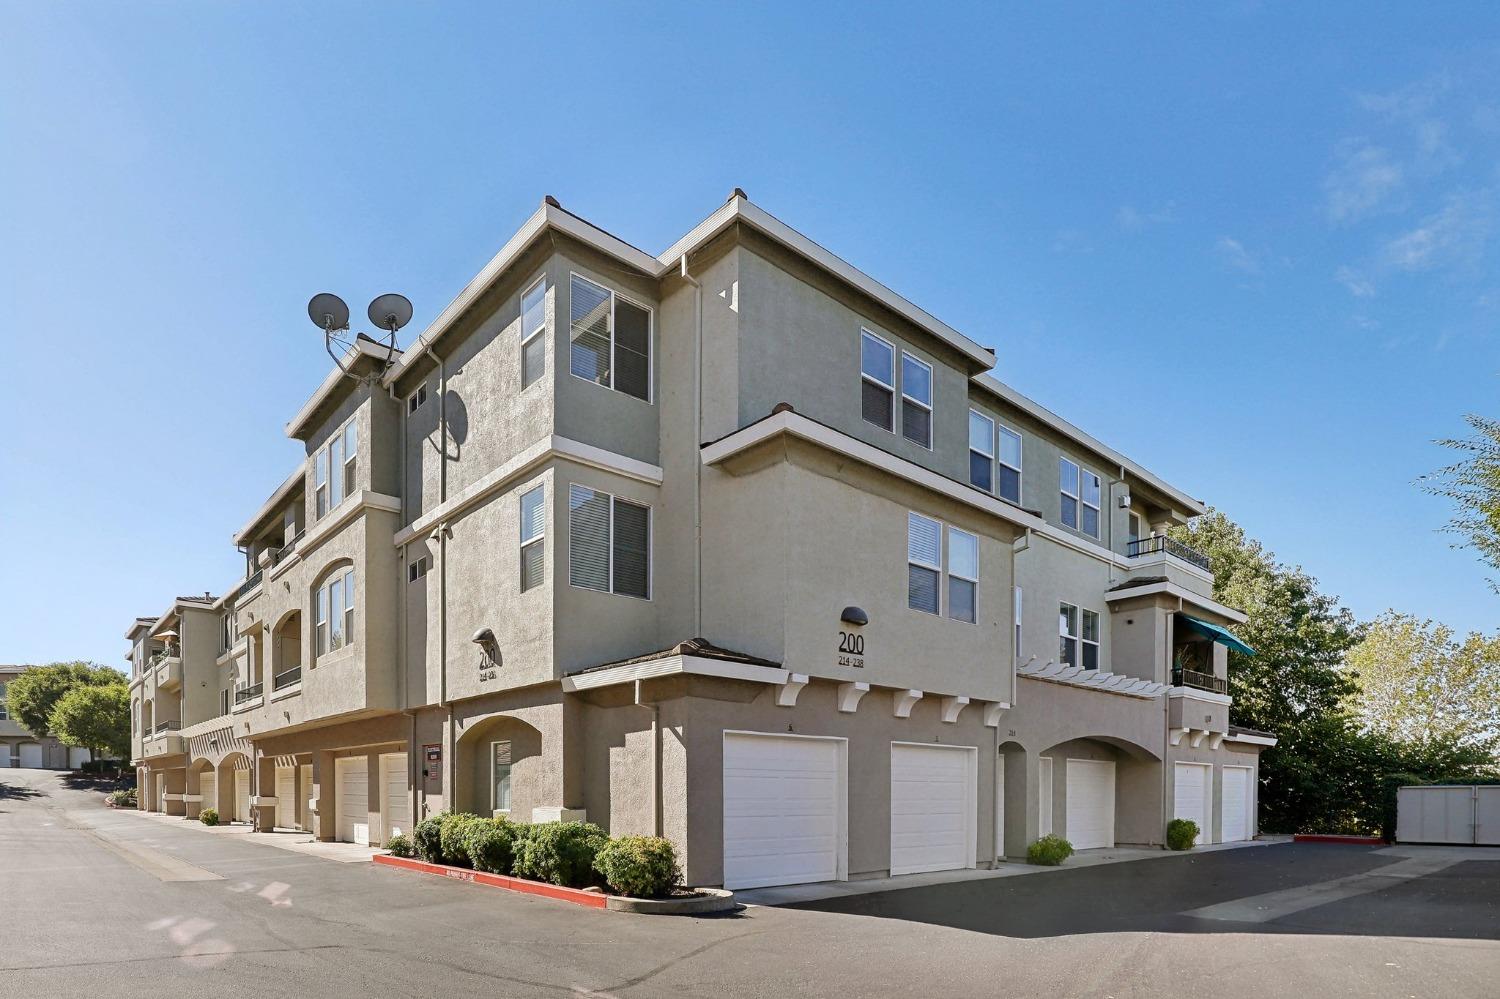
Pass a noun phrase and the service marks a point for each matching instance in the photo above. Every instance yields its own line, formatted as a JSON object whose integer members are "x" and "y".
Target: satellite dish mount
{"x": 388, "y": 313}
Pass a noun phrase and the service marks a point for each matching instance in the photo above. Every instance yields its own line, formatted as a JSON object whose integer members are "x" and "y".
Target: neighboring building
{"x": 734, "y": 545}
{"x": 19, "y": 748}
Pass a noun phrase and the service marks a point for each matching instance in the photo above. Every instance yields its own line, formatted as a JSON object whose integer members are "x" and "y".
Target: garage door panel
{"x": 1090, "y": 803}
{"x": 933, "y": 817}
{"x": 783, "y": 811}
{"x": 242, "y": 796}
{"x": 1235, "y": 806}
{"x": 1192, "y": 786}
{"x": 208, "y": 791}
{"x": 286, "y": 797}
{"x": 353, "y": 805}
{"x": 395, "y": 801}
{"x": 31, "y": 755}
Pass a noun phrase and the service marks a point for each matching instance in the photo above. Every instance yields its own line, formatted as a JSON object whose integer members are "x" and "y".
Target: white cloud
{"x": 1454, "y": 235}
{"x": 1364, "y": 179}
{"x": 1233, "y": 253}
{"x": 1358, "y": 285}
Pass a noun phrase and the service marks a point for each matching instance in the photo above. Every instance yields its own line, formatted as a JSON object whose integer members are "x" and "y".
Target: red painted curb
{"x": 593, "y": 900}
{"x": 1322, "y": 838}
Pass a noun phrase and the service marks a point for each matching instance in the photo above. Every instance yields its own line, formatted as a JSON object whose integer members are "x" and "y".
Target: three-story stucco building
{"x": 731, "y": 544}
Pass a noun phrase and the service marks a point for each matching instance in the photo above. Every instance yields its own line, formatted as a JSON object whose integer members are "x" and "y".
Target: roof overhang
{"x": 1185, "y": 595}
{"x": 673, "y": 666}
{"x": 1251, "y": 739}
{"x": 300, "y": 424}
{"x": 280, "y": 496}
{"x": 141, "y": 624}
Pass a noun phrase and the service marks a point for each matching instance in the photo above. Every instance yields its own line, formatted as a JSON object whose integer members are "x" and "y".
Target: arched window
{"x": 334, "y": 610}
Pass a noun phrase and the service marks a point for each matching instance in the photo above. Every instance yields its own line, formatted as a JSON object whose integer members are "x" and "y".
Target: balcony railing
{"x": 1162, "y": 543}
{"x": 286, "y": 678}
{"x": 166, "y": 726}
{"x": 158, "y": 658}
{"x": 249, "y": 584}
{"x": 249, "y": 693}
{"x": 1199, "y": 681}
{"x": 286, "y": 549}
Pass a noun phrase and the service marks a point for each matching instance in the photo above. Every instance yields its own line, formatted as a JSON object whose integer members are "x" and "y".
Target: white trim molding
{"x": 787, "y": 695}
{"x": 1251, "y": 740}
{"x": 1186, "y": 596}
{"x": 672, "y": 666}
{"x": 952, "y": 707}
{"x": 850, "y": 694}
{"x": 992, "y": 712}
{"x": 1200, "y": 695}
{"x": 904, "y": 700}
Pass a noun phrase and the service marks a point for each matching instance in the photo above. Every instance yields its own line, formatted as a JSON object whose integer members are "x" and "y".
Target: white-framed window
{"x": 417, "y": 568}
{"x": 924, "y": 563}
{"x": 320, "y": 483}
{"x": 981, "y": 451}
{"x": 963, "y": 576}
{"x": 916, "y": 400}
{"x": 533, "y": 332}
{"x": 1090, "y": 639}
{"x": 500, "y": 763}
{"x": 334, "y": 608}
{"x": 1009, "y": 477}
{"x": 1134, "y": 528}
{"x": 224, "y": 701}
{"x": 225, "y": 641}
{"x": 335, "y": 469}
{"x": 416, "y": 399}
{"x": 1067, "y": 475}
{"x": 1093, "y": 491}
{"x": 609, "y": 543}
{"x": 877, "y": 381}
{"x": 533, "y": 533}
{"x": 1019, "y": 602}
{"x": 1067, "y": 630}
{"x": 5, "y": 712}
{"x": 611, "y": 339}
{"x": 351, "y": 458}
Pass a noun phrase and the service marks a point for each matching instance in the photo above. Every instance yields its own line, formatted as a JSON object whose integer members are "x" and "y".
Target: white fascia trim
{"x": 999, "y": 389}
{"x": 1201, "y": 695}
{"x": 527, "y": 461}
{"x": 673, "y": 665}
{"x": 361, "y": 348}
{"x": 797, "y": 425}
{"x": 1186, "y": 596}
{"x": 352, "y": 505}
{"x": 1252, "y": 740}
{"x": 741, "y": 209}
{"x": 242, "y": 536}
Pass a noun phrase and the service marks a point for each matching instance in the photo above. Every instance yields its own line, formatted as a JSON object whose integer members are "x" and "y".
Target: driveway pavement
{"x": 97, "y": 903}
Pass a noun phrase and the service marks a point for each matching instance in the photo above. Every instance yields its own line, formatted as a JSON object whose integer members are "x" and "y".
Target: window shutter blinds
{"x": 922, "y": 588}
{"x": 632, "y": 546}
{"x": 590, "y": 331}
{"x": 924, "y": 540}
{"x": 875, "y": 404}
{"x": 533, "y": 513}
{"x": 632, "y": 349}
{"x": 502, "y": 754}
{"x": 916, "y": 423}
{"x": 588, "y": 538}
{"x": 533, "y": 359}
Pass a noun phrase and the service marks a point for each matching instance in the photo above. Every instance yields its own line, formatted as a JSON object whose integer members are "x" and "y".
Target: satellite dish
{"x": 328, "y": 312}
{"x": 389, "y": 312}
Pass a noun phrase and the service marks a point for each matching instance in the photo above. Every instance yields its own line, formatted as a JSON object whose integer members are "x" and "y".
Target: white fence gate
{"x": 1465, "y": 814}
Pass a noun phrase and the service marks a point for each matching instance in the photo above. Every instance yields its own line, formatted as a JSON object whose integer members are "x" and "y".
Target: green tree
{"x": 1418, "y": 683}
{"x": 32, "y": 695}
{"x": 1473, "y": 484}
{"x": 96, "y": 717}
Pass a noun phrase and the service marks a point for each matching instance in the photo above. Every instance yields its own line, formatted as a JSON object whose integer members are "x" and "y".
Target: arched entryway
{"x": 499, "y": 768}
{"x": 1098, "y": 792}
{"x": 234, "y": 788}
{"x": 286, "y": 651}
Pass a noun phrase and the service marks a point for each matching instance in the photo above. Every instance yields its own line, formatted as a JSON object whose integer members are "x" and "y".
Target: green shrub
{"x": 399, "y": 845}
{"x": 1049, "y": 851}
{"x": 209, "y": 816}
{"x": 491, "y": 845}
{"x": 122, "y": 798}
{"x": 426, "y": 839}
{"x": 561, "y": 853}
{"x": 639, "y": 866}
{"x": 453, "y": 829}
{"x": 1181, "y": 833}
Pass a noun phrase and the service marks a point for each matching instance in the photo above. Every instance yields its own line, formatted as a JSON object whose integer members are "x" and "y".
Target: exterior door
{"x": 1487, "y": 815}
{"x": 353, "y": 805}
{"x": 4, "y": 755}
{"x": 31, "y": 755}
{"x": 208, "y": 790}
{"x": 286, "y": 797}
{"x": 784, "y": 810}
{"x": 933, "y": 808}
{"x": 1090, "y": 802}
{"x": 395, "y": 802}
{"x": 242, "y": 796}
{"x": 160, "y": 798}
{"x": 1235, "y": 809}
{"x": 77, "y": 757}
{"x": 1193, "y": 786}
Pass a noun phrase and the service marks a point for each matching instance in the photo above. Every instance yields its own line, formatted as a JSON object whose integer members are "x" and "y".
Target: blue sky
{"x": 1276, "y": 222}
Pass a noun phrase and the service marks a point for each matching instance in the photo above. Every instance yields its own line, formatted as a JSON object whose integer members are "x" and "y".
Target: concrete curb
{"x": 710, "y": 900}
{"x": 594, "y": 900}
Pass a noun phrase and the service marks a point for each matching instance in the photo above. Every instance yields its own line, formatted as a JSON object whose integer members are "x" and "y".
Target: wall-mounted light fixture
{"x": 854, "y": 616}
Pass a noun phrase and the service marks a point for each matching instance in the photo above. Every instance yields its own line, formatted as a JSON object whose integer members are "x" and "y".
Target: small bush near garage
{"x": 491, "y": 845}
{"x": 453, "y": 837}
{"x": 209, "y": 816}
{"x": 122, "y": 798}
{"x": 1049, "y": 851}
{"x": 426, "y": 839}
{"x": 400, "y": 845}
{"x": 1181, "y": 834}
{"x": 561, "y": 853}
{"x": 639, "y": 866}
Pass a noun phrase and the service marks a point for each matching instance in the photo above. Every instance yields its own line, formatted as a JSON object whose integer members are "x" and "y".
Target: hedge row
{"x": 571, "y": 854}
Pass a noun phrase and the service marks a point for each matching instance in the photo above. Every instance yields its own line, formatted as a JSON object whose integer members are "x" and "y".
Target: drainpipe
{"x": 656, "y": 818}
{"x": 697, "y": 443}
{"x": 403, "y": 658}
{"x": 441, "y": 534}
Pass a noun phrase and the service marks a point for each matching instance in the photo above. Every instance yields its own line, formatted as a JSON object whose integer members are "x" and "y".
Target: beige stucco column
{"x": 176, "y": 784}
{"x": 263, "y": 793}
{"x": 324, "y": 820}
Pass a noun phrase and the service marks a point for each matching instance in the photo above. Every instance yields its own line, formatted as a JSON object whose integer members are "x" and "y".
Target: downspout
{"x": 449, "y": 772}
{"x": 656, "y": 819}
{"x": 403, "y": 657}
{"x": 697, "y": 444}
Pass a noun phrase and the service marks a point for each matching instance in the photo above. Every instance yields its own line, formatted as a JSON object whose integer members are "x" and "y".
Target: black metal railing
{"x": 158, "y": 658}
{"x": 249, "y": 693}
{"x": 286, "y": 549}
{"x": 286, "y": 678}
{"x": 1162, "y": 543}
{"x": 166, "y": 726}
{"x": 1199, "y": 681}
{"x": 250, "y": 583}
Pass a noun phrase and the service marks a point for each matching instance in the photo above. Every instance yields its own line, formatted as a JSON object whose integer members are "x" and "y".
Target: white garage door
{"x": 77, "y": 757}
{"x": 1090, "y": 804}
{"x": 286, "y": 797}
{"x": 1193, "y": 786}
{"x": 208, "y": 790}
{"x": 395, "y": 804}
{"x": 242, "y": 796}
{"x": 31, "y": 755}
{"x": 1235, "y": 810}
{"x": 304, "y": 800}
{"x": 933, "y": 813}
{"x": 4, "y": 754}
{"x": 353, "y": 774}
{"x": 783, "y": 810}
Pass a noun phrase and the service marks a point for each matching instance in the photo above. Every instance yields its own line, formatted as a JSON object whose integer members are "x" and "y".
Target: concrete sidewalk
{"x": 292, "y": 840}
{"x": 793, "y": 894}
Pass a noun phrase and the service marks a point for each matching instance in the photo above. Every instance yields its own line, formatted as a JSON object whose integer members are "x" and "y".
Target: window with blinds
{"x": 500, "y": 764}
{"x": 877, "y": 374}
{"x": 925, "y": 569}
{"x": 609, "y": 543}
{"x": 963, "y": 576}
{"x": 610, "y": 339}
{"x": 534, "y": 333}
{"x": 916, "y": 400}
{"x": 533, "y": 533}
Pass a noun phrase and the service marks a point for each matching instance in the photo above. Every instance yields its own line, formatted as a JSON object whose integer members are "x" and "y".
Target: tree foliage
{"x": 1417, "y": 682}
{"x": 96, "y": 717}
{"x": 33, "y": 694}
{"x": 1473, "y": 484}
